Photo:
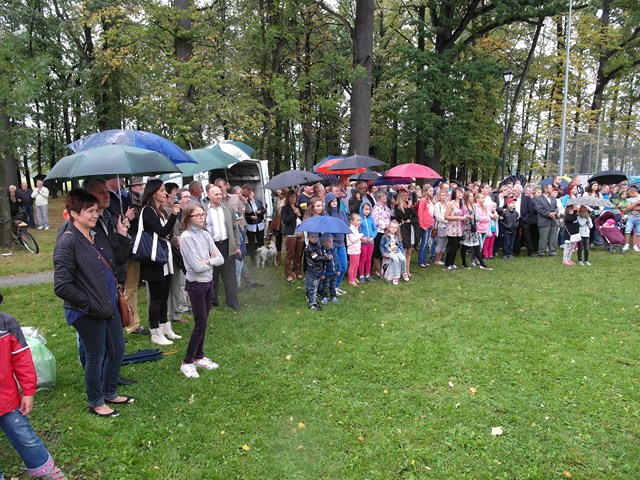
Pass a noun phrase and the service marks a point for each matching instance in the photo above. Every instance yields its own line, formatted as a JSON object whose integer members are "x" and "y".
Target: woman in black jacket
{"x": 291, "y": 216}
{"x": 155, "y": 219}
{"x": 84, "y": 279}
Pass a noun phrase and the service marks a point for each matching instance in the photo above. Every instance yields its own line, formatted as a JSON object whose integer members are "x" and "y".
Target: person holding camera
{"x": 254, "y": 215}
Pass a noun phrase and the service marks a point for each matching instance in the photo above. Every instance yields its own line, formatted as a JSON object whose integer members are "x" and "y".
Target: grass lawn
{"x": 399, "y": 382}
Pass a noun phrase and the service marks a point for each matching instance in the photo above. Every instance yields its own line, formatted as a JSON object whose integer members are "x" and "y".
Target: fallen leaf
{"x": 450, "y": 384}
{"x": 192, "y": 398}
{"x": 288, "y": 357}
{"x": 246, "y": 447}
{"x": 566, "y": 474}
{"x": 299, "y": 447}
{"x": 155, "y": 467}
{"x": 361, "y": 438}
{"x": 413, "y": 462}
{"x": 496, "y": 431}
{"x": 457, "y": 405}
{"x": 222, "y": 432}
{"x": 301, "y": 426}
{"x": 386, "y": 391}
{"x": 473, "y": 390}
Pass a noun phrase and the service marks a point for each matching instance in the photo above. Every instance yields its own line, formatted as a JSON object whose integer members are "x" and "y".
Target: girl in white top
{"x": 200, "y": 255}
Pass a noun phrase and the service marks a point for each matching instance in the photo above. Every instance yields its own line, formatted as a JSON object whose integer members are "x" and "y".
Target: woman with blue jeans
{"x": 426, "y": 221}
{"x": 84, "y": 279}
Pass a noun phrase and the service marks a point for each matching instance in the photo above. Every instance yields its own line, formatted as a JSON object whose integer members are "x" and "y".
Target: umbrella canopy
{"x": 291, "y": 178}
{"x": 367, "y": 176}
{"x": 608, "y": 177}
{"x": 414, "y": 170}
{"x": 240, "y": 150}
{"x": 111, "y": 161}
{"x": 549, "y": 181}
{"x": 323, "y": 224}
{"x": 384, "y": 180}
{"x": 590, "y": 201}
{"x": 356, "y": 162}
{"x": 512, "y": 178}
{"x": 133, "y": 138}
{"x": 207, "y": 159}
{"x": 326, "y": 166}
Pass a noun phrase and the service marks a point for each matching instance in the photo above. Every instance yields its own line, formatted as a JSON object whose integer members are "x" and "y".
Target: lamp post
{"x": 508, "y": 76}
{"x": 563, "y": 128}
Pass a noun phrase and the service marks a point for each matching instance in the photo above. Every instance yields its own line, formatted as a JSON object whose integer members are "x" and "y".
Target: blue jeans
{"x": 312, "y": 280}
{"x": 327, "y": 287}
{"x": 103, "y": 343}
{"x": 28, "y": 445}
{"x": 507, "y": 243}
{"x": 424, "y": 246}
{"x": 342, "y": 261}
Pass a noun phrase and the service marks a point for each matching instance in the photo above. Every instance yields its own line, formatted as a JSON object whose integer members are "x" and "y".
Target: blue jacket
{"x": 368, "y": 226}
{"x": 385, "y": 244}
{"x": 331, "y": 266}
{"x": 339, "y": 240}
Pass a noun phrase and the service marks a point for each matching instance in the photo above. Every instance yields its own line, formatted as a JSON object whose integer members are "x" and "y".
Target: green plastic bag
{"x": 43, "y": 359}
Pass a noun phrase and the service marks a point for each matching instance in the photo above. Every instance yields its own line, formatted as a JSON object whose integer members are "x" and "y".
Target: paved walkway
{"x": 26, "y": 279}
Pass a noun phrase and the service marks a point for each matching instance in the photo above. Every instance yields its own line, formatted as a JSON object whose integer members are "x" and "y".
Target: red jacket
{"x": 15, "y": 359}
{"x": 425, "y": 214}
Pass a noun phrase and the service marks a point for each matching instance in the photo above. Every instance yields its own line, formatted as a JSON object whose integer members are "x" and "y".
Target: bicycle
{"x": 21, "y": 235}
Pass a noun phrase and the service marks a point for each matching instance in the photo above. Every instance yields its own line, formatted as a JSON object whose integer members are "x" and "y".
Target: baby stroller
{"x": 610, "y": 230}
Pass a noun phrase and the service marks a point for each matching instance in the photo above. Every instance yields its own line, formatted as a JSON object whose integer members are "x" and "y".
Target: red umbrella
{"x": 326, "y": 167}
{"x": 413, "y": 170}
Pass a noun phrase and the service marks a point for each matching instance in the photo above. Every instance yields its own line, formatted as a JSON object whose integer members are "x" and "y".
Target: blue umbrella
{"x": 323, "y": 224}
{"x": 549, "y": 181}
{"x": 393, "y": 181}
{"x": 133, "y": 138}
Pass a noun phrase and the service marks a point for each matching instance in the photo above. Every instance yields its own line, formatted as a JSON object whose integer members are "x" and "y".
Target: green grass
{"x": 393, "y": 383}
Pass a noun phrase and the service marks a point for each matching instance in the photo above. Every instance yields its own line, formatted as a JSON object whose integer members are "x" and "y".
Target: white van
{"x": 255, "y": 173}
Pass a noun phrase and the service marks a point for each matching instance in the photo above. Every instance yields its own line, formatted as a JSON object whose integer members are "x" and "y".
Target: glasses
{"x": 197, "y": 215}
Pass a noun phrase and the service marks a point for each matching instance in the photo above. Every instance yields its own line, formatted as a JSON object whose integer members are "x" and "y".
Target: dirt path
{"x": 26, "y": 279}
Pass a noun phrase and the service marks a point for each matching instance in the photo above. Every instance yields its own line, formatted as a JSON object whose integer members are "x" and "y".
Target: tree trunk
{"x": 183, "y": 50}
{"x": 7, "y": 162}
{"x": 360, "y": 123}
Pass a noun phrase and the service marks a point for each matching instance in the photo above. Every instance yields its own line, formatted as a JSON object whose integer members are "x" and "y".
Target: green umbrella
{"x": 208, "y": 159}
{"x": 111, "y": 161}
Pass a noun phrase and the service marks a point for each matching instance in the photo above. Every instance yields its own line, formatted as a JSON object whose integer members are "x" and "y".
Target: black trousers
{"x": 453, "y": 244}
{"x": 226, "y": 272}
{"x": 255, "y": 240}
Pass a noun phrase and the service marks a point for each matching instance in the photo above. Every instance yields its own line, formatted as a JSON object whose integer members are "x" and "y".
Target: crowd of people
{"x": 439, "y": 221}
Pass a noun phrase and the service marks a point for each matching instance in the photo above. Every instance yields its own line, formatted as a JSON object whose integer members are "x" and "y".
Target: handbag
{"x": 275, "y": 224}
{"x": 125, "y": 310}
{"x": 434, "y": 233}
{"x": 148, "y": 248}
{"x": 576, "y": 237}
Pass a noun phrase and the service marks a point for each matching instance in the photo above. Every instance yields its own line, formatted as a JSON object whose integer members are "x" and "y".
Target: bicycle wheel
{"x": 27, "y": 241}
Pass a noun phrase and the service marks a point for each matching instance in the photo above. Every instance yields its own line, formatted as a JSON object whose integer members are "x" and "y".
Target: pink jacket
{"x": 354, "y": 241}
{"x": 425, "y": 214}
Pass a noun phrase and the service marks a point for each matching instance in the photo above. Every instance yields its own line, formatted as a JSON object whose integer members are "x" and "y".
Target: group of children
{"x": 323, "y": 269}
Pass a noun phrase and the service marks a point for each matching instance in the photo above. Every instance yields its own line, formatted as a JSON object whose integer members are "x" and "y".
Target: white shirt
{"x": 216, "y": 224}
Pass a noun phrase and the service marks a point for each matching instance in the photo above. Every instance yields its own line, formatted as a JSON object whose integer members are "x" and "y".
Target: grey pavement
{"x": 26, "y": 279}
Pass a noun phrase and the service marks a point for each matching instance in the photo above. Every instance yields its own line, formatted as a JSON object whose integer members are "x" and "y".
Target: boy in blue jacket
{"x": 315, "y": 258}
{"x": 327, "y": 288}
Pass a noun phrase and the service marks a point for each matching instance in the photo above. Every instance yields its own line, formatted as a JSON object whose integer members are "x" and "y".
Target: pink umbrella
{"x": 414, "y": 170}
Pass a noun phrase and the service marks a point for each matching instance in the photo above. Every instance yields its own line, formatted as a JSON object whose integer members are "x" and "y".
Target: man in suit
{"x": 547, "y": 210}
{"x": 528, "y": 221}
{"x": 222, "y": 226}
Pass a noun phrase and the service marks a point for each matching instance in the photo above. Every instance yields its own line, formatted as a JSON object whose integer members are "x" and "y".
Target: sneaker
{"x": 636, "y": 248}
{"x": 568, "y": 263}
{"x": 324, "y": 301}
{"x": 54, "y": 474}
{"x": 189, "y": 370}
{"x": 440, "y": 264}
{"x": 315, "y": 306}
{"x": 46, "y": 228}
{"x": 42, "y": 228}
{"x": 339, "y": 291}
{"x": 485, "y": 268}
{"x": 626, "y": 247}
{"x": 466, "y": 267}
{"x": 335, "y": 300}
{"x": 354, "y": 284}
{"x": 369, "y": 279}
{"x": 206, "y": 363}
{"x": 405, "y": 276}
{"x": 580, "y": 262}
{"x": 395, "y": 280}
{"x": 363, "y": 279}
{"x": 587, "y": 262}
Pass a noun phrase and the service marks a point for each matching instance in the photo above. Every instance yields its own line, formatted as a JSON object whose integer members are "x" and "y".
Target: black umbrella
{"x": 608, "y": 177}
{"x": 291, "y": 178}
{"x": 367, "y": 176}
{"x": 356, "y": 161}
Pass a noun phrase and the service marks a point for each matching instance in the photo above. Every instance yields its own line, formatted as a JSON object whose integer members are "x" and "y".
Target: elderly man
{"x": 196, "y": 190}
{"x": 25, "y": 201}
{"x": 224, "y": 231}
{"x": 547, "y": 210}
{"x": 41, "y": 200}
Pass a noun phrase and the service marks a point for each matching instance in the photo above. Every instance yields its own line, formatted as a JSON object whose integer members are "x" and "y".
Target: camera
{"x": 176, "y": 199}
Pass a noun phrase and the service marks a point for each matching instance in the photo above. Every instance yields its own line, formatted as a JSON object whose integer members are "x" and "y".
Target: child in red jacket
{"x": 15, "y": 359}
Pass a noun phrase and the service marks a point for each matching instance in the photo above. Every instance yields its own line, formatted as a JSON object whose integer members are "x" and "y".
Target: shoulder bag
{"x": 148, "y": 248}
{"x": 125, "y": 310}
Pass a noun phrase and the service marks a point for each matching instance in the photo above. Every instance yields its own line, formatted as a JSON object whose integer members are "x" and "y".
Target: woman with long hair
{"x": 154, "y": 219}
{"x": 291, "y": 216}
{"x": 455, "y": 219}
{"x": 470, "y": 238}
{"x": 440, "y": 225}
{"x": 406, "y": 217}
{"x": 84, "y": 279}
{"x": 200, "y": 255}
{"x": 426, "y": 221}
